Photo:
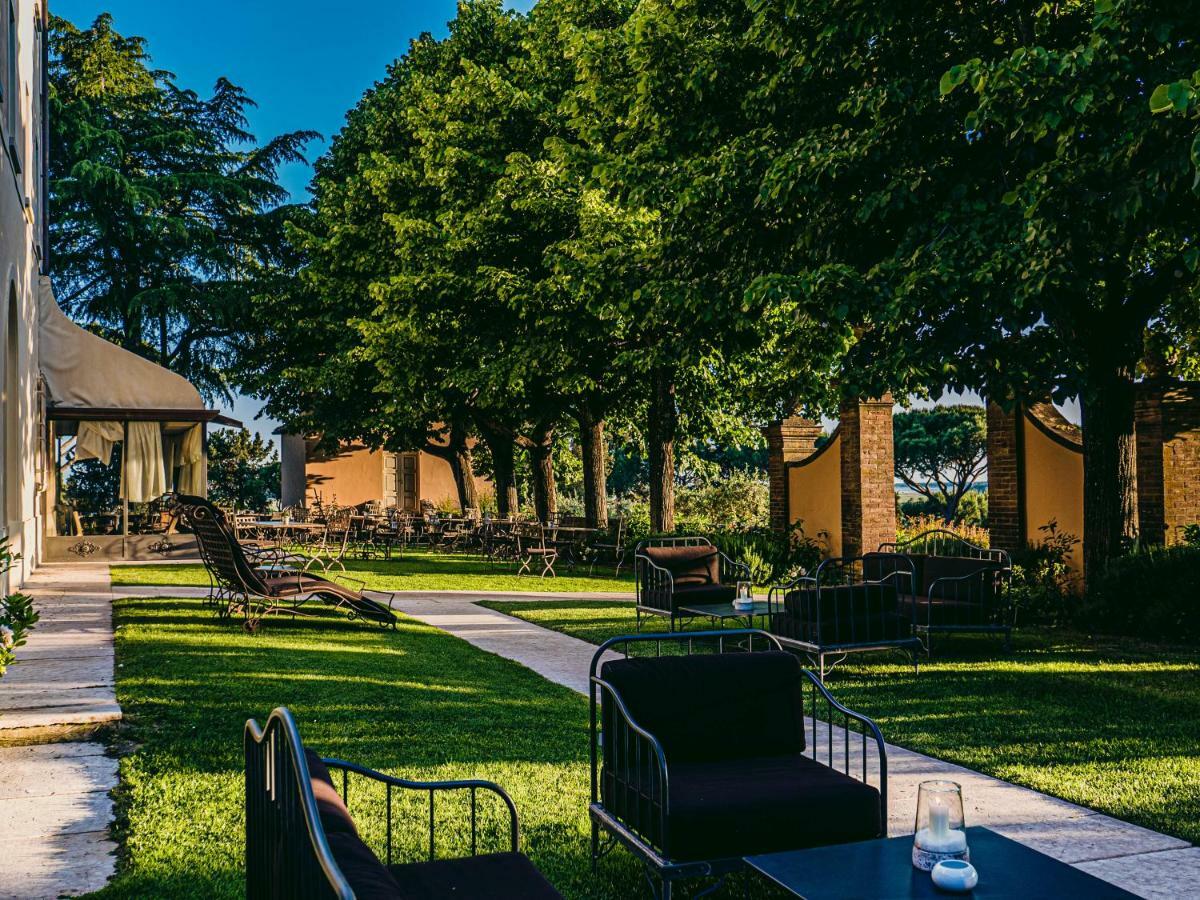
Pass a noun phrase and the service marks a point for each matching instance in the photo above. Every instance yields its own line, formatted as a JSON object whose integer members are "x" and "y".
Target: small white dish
{"x": 955, "y": 875}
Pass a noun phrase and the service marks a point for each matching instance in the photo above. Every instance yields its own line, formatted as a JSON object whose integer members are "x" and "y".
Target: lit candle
{"x": 939, "y": 818}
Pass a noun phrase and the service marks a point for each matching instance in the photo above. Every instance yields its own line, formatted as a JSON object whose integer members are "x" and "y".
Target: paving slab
{"x": 1169, "y": 875}
{"x": 55, "y": 800}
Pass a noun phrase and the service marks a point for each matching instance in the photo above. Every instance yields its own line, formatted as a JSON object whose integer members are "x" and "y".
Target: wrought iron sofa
{"x": 699, "y": 759}
{"x": 671, "y": 572}
{"x": 242, "y": 586}
{"x": 849, "y": 605}
{"x": 301, "y": 841}
{"x": 959, "y": 586}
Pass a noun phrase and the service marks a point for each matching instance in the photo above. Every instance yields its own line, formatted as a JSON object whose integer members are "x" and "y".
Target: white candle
{"x": 939, "y": 819}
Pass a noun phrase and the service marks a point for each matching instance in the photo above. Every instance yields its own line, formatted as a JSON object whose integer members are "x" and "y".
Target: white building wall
{"x": 21, "y": 208}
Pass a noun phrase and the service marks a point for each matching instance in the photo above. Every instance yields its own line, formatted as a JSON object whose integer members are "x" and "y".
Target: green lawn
{"x": 414, "y": 701}
{"x": 417, "y": 571}
{"x": 1111, "y": 725}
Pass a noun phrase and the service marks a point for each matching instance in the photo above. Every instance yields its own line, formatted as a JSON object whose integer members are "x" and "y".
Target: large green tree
{"x": 940, "y": 453}
{"x": 165, "y": 213}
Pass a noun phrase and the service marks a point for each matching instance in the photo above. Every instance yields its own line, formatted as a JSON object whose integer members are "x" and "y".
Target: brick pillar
{"x": 1149, "y": 453}
{"x": 1181, "y": 458}
{"x": 1006, "y": 508}
{"x": 788, "y": 441}
{"x": 868, "y": 475}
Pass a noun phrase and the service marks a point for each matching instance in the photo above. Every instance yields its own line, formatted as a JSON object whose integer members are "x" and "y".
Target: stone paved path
{"x": 55, "y": 806}
{"x": 1143, "y": 862}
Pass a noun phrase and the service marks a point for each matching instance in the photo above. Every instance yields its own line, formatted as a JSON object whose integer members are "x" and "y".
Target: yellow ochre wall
{"x": 436, "y": 480}
{"x": 352, "y": 477}
{"x": 815, "y": 495}
{"x": 1053, "y": 488}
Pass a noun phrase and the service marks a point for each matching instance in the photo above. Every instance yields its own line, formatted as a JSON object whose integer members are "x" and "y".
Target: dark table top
{"x": 883, "y": 870}
{"x": 726, "y": 610}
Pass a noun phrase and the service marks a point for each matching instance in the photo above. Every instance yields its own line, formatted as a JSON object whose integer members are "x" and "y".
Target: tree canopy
{"x": 941, "y": 452}
{"x": 165, "y": 213}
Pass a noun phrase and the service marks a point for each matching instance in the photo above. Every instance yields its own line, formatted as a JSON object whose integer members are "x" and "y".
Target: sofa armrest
{"x": 778, "y": 592}
{"x": 652, "y": 576}
{"x": 729, "y": 566}
{"x": 826, "y": 708}
{"x": 639, "y": 750}
{"x": 472, "y": 785}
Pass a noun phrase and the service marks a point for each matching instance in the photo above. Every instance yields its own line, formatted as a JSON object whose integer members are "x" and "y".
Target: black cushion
{"x": 368, "y": 877}
{"x": 763, "y": 805}
{"x": 941, "y": 611}
{"x": 844, "y": 614}
{"x": 333, "y": 812}
{"x": 687, "y": 565}
{"x": 701, "y": 594}
{"x": 978, "y": 589}
{"x": 497, "y": 876}
{"x": 712, "y": 706}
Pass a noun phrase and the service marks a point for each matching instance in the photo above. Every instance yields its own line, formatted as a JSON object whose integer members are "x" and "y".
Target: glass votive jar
{"x": 940, "y": 828}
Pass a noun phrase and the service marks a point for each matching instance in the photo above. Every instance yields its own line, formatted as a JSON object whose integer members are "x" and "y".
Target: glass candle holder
{"x": 940, "y": 829}
{"x": 744, "y": 594}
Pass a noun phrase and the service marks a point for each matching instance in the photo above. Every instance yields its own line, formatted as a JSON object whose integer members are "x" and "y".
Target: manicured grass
{"x": 1113, "y": 725}
{"x": 416, "y": 571}
{"x": 413, "y": 701}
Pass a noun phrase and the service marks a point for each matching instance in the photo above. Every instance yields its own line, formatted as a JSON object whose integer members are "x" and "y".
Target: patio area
{"x": 458, "y": 690}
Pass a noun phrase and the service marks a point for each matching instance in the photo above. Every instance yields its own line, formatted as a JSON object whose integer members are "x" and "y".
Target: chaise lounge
{"x": 302, "y": 843}
{"x": 244, "y": 586}
{"x": 700, "y": 759}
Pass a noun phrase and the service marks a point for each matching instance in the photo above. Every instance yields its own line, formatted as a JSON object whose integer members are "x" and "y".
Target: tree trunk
{"x": 464, "y": 477}
{"x": 502, "y": 449}
{"x": 1109, "y": 468}
{"x": 664, "y": 421}
{"x": 595, "y": 486}
{"x": 541, "y": 461}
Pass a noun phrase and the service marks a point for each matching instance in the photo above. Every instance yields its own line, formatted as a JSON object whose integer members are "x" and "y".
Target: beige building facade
{"x": 24, "y": 263}
{"x": 356, "y": 474}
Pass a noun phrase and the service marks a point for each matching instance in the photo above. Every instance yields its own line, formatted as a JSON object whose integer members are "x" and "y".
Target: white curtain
{"x": 191, "y": 462}
{"x": 95, "y": 440}
{"x": 142, "y": 475}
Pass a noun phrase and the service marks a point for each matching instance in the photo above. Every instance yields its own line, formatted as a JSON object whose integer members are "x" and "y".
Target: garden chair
{"x": 335, "y": 541}
{"x": 243, "y": 588}
{"x": 529, "y": 544}
{"x": 672, "y": 572}
{"x": 849, "y": 605}
{"x": 700, "y": 757}
{"x": 960, "y": 586}
{"x": 613, "y": 551}
{"x": 302, "y": 843}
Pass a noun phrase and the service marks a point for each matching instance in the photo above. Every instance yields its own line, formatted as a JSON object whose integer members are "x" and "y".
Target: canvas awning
{"x": 82, "y": 370}
{"x": 109, "y": 395}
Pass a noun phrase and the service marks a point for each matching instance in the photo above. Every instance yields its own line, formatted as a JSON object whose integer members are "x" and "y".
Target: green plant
{"x": 909, "y": 527}
{"x": 17, "y": 615}
{"x": 1043, "y": 584}
{"x": 1150, "y": 593}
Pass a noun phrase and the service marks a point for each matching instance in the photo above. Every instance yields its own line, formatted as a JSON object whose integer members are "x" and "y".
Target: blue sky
{"x": 305, "y": 63}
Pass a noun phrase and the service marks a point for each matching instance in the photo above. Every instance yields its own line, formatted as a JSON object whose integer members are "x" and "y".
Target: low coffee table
{"x": 722, "y": 611}
{"x": 883, "y": 870}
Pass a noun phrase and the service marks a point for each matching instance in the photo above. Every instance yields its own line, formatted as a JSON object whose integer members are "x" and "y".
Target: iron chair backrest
{"x": 219, "y": 547}
{"x": 287, "y": 853}
{"x": 941, "y": 542}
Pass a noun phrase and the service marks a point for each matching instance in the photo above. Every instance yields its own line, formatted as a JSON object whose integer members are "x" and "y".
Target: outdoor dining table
{"x": 283, "y": 529}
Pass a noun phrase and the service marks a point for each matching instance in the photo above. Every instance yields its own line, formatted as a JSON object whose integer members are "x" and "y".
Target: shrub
{"x": 772, "y": 557}
{"x": 1043, "y": 585}
{"x": 1149, "y": 593}
{"x": 17, "y": 615}
{"x": 909, "y": 527}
